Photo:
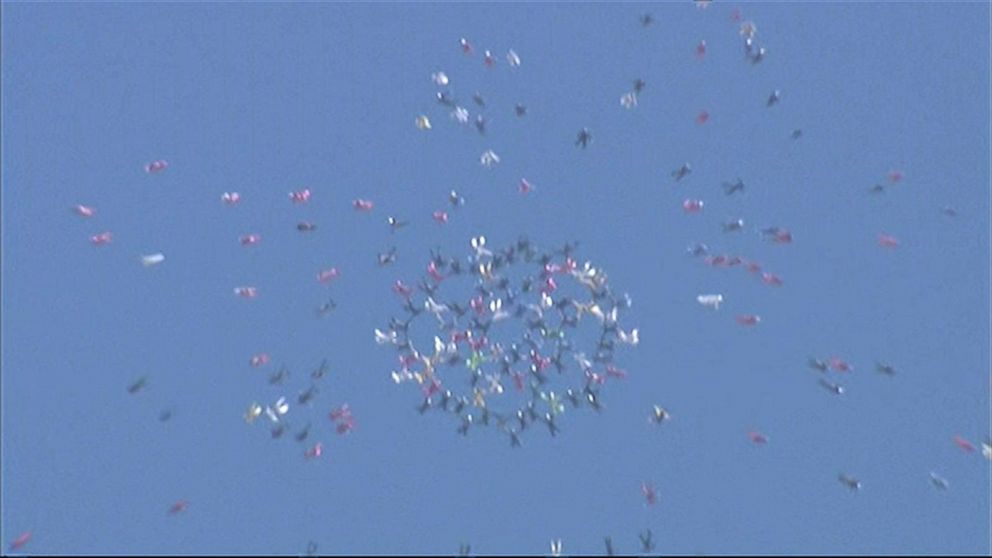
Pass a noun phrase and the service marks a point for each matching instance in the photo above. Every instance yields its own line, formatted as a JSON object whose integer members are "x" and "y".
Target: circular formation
{"x": 508, "y": 338}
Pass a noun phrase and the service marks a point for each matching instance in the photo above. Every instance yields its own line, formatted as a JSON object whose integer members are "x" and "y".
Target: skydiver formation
{"x": 508, "y": 357}
{"x": 504, "y": 357}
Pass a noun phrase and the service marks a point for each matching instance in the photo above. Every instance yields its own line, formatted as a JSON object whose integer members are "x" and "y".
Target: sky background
{"x": 267, "y": 98}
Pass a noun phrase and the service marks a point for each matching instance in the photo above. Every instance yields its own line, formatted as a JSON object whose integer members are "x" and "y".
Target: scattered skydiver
{"x": 609, "y": 546}
{"x": 659, "y": 415}
{"x": 832, "y": 387}
{"x": 818, "y": 364}
{"x": 639, "y": 85}
{"x": 965, "y": 445}
{"x": 326, "y": 308}
{"x": 886, "y": 369}
{"x": 477, "y": 97}
{"x": 139, "y": 385}
{"x": 306, "y": 226}
{"x": 682, "y": 172}
{"x": 758, "y": 55}
{"x": 650, "y": 494}
{"x": 395, "y": 224}
{"x": 647, "y": 542}
{"x": 20, "y": 541}
{"x": 520, "y": 110}
{"x": 584, "y": 137}
{"x": 730, "y": 187}
{"x": 321, "y": 370}
{"x": 850, "y": 482}
{"x": 735, "y": 225}
{"x": 796, "y": 134}
{"x": 697, "y": 250}
{"x": 305, "y": 397}
{"x": 480, "y": 124}
{"x": 775, "y": 97}
{"x": 646, "y": 20}
{"x": 278, "y": 377}
{"x": 445, "y": 99}
{"x": 302, "y": 434}
{"x": 387, "y": 258}
{"x": 757, "y": 438}
{"x": 628, "y": 100}
{"x": 938, "y": 481}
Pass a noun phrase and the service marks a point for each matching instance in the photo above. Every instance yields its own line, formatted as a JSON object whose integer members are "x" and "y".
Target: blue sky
{"x": 267, "y": 98}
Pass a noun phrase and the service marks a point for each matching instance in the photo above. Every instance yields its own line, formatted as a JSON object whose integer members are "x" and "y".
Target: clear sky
{"x": 267, "y": 98}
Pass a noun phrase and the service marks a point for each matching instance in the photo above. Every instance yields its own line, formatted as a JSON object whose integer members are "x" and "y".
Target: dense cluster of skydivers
{"x": 510, "y": 331}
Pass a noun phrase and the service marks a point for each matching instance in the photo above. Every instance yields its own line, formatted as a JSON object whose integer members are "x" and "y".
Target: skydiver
{"x": 477, "y": 97}
{"x": 593, "y": 398}
{"x": 165, "y": 415}
{"x": 818, "y": 364}
{"x": 306, "y": 396}
{"x": 302, "y": 434}
{"x": 305, "y": 226}
{"x": 520, "y": 110}
{"x": 138, "y": 385}
{"x": 395, "y": 224}
{"x": 682, "y": 171}
{"x": 320, "y": 371}
{"x": 730, "y": 187}
{"x": 585, "y": 136}
{"x": 777, "y": 235}
{"x": 647, "y": 543}
{"x": 445, "y": 399}
{"x": 556, "y": 547}
{"x": 774, "y": 98}
{"x": 659, "y": 415}
{"x": 877, "y": 189}
{"x": 480, "y": 124}
{"x": 639, "y": 85}
{"x": 939, "y": 482}
{"x": 466, "y": 424}
{"x": 698, "y": 250}
{"x": 830, "y": 386}
{"x": 733, "y": 226}
{"x": 277, "y": 378}
{"x": 445, "y": 99}
{"x": 311, "y": 548}
{"x": 425, "y": 406}
{"x": 949, "y": 211}
{"x": 650, "y": 494}
{"x": 628, "y": 100}
{"x": 609, "y": 546}
{"x": 549, "y": 419}
{"x": 646, "y": 20}
{"x": 850, "y": 482}
{"x": 796, "y": 134}
{"x": 326, "y": 308}
{"x": 387, "y": 257}
{"x": 464, "y": 549}
{"x": 278, "y": 430}
{"x": 759, "y": 55}
{"x": 886, "y": 369}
